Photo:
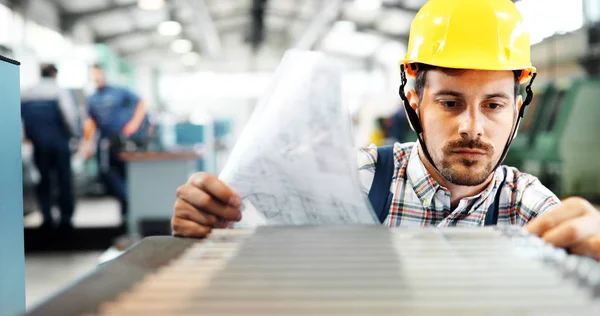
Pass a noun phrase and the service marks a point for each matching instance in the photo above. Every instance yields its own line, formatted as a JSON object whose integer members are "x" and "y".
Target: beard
{"x": 463, "y": 171}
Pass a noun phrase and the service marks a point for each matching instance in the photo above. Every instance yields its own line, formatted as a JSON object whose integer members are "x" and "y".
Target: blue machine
{"x": 211, "y": 136}
{"x": 12, "y": 259}
{"x": 189, "y": 135}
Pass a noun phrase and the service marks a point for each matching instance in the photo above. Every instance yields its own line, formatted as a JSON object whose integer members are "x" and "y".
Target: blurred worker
{"x": 50, "y": 120}
{"x": 469, "y": 58}
{"x": 399, "y": 126}
{"x": 379, "y": 132}
{"x": 118, "y": 114}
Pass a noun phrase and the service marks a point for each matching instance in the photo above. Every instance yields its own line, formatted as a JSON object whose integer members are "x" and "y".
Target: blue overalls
{"x": 111, "y": 108}
{"x": 48, "y": 115}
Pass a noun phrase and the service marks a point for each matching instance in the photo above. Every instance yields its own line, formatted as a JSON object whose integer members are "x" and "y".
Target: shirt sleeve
{"x": 367, "y": 157}
{"x": 535, "y": 200}
{"x": 90, "y": 109}
{"x": 68, "y": 110}
{"x": 131, "y": 99}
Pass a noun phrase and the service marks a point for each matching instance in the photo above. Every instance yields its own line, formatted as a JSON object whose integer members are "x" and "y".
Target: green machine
{"x": 529, "y": 126}
{"x": 565, "y": 153}
{"x": 12, "y": 257}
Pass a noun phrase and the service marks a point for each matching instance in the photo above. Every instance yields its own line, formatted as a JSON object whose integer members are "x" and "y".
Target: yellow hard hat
{"x": 469, "y": 34}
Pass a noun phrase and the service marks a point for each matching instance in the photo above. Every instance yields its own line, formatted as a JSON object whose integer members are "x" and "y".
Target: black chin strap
{"x": 413, "y": 117}
{"x": 528, "y": 99}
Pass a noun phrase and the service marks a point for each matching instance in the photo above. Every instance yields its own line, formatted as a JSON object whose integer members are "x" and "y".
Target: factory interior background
{"x": 200, "y": 66}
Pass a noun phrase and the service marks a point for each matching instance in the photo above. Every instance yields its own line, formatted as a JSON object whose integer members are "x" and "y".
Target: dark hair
{"x": 48, "y": 71}
{"x": 422, "y": 70}
{"x": 98, "y": 66}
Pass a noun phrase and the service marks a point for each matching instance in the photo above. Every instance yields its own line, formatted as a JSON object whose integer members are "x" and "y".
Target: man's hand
{"x": 86, "y": 149}
{"x": 575, "y": 224}
{"x": 129, "y": 129}
{"x": 204, "y": 203}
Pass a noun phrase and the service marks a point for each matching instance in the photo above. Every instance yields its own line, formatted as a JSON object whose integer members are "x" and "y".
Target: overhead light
{"x": 190, "y": 59}
{"x": 368, "y": 5}
{"x": 181, "y": 46}
{"x": 169, "y": 28}
{"x": 151, "y": 5}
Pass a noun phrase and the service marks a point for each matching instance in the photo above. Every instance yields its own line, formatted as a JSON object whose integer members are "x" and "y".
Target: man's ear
{"x": 413, "y": 101}
{"x": 519, "y": 104}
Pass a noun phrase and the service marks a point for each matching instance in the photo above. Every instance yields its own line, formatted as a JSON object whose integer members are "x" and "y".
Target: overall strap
{"x": 380, "y": 195}
{"x": 491, "y": 216}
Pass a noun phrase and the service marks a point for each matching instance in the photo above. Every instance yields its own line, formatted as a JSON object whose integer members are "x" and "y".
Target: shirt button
{"x": 426, "y": 202}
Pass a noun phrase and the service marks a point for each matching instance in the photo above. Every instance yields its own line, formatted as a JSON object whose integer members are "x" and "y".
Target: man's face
{"x": 98, "y": 77}
{"x": 467, "y": 118}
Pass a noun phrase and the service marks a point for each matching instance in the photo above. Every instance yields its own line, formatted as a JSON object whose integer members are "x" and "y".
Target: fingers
{"x": 573, "y": 231}
{"x": 224, "y": 224}
{"x": 186, "y": 211}
{"x": 589, "y": 247}
{"x": 575, "y": 224}
{"x": 203, "y": 201}
{"x": 569, "y": 209}
{"x": 186, "y": 228}
{"x": 215, "y": 187}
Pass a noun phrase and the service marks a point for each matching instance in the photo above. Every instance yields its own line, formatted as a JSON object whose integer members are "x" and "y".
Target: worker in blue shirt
{"x": 118, "y": 114}
{"x": 49, "y": 117}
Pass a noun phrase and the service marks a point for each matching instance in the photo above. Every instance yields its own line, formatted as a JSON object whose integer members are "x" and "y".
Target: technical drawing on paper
{"x": 295, "y": 162}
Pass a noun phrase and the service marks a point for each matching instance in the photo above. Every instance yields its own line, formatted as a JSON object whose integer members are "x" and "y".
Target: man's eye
{"x": 449, "y": 104}
{"x": 494, "y": 106}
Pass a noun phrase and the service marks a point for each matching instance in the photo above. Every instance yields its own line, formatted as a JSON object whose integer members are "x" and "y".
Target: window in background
{"x": 6, "y": 21}
{"x": 47, "y": 44}
{"x": 545, "y": 18}
{"x": 592, "y": 11}
{"x": 17, "y": 29}
{"x": 72, "y": 73}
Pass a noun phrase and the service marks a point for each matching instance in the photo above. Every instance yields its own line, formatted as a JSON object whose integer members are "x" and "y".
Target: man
{"x": 49, "y": 121}
{"x": 118, "y": 114}
{"x": 468, "y": 58}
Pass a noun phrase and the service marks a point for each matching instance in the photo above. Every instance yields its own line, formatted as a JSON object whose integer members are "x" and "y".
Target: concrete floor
{"x": 47, "y": 273}
{"x": 98, "y": 212}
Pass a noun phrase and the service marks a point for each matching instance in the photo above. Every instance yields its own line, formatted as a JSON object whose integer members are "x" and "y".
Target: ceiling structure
{"x": 234, "y": 35}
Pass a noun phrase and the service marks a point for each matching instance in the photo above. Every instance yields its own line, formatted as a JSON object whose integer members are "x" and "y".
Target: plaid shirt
{"x": 418, "y": 200}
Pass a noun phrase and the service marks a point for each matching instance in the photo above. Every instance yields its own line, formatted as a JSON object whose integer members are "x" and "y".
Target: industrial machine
{"x": 565, "y": 153}
{"x": 529, "y": 127}
{"x": 339, "y": 270}
{"x": 12, "y": 259}
{"x": 193, "y": 135}
{"x": 580, "y": 141}
{"x": 212, "y": 136}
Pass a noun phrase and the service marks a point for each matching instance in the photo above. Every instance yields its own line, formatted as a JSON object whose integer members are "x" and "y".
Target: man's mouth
{"x": 470, "y": 153}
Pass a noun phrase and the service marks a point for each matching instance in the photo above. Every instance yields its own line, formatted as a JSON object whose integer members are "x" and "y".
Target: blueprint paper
{"x": 295, "y": 162}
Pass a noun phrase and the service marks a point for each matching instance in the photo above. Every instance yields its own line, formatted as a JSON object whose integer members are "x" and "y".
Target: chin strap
{"x": 528, "y": 99}
{"x": 413, "y": 117}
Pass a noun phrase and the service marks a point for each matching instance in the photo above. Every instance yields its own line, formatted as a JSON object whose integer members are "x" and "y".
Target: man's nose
{"x": 471, "y": 124}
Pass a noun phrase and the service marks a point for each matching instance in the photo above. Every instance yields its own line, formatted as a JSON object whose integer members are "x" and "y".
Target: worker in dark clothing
{"x": 50, "y": 120}
{"x": 398, "y": 127}
{"x": 118, "y": 114}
